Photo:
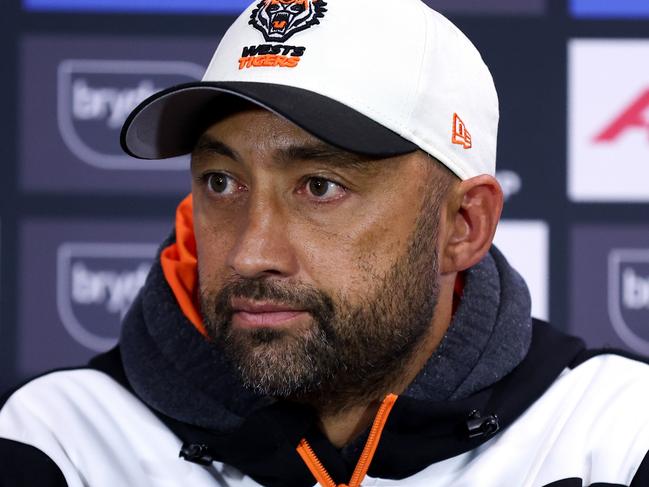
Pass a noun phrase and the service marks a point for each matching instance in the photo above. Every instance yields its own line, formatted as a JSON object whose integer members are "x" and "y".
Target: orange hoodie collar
{"x": 179, "y": 265}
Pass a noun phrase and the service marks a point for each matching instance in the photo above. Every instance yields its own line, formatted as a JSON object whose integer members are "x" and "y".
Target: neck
{"x": 341, "y": 428}
{"x": 343, "y": 419}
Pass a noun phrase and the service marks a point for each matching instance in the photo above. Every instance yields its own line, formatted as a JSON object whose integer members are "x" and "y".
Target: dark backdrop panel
{"x": 66, "y": 216}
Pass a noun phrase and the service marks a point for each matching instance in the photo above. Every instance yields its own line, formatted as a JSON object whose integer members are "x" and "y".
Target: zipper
{"x": 373, "y": 439}
{"x": 320, "y": 472}
{"x": 315, "y": 465}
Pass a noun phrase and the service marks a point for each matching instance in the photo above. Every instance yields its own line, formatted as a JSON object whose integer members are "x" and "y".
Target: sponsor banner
{"x": 489, "y": 6}
{"x": 526, "y": 245}
{"x": 158, "y": 6}
{"x": 76, "y": 94}
{"x": 608, "y": 121}
{"x": 78, "y": 280}
{"x": 237, "y": 6}
{"x": 610, "y": 288}
{"x": 609, "y": 8}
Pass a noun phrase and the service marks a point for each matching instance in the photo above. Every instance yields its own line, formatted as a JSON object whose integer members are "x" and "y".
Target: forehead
{"x": 246, "y": 130}
{"x": 249, "y": 122}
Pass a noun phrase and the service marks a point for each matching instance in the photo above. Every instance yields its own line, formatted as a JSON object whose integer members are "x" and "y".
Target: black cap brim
{"x": 169, "y": 123}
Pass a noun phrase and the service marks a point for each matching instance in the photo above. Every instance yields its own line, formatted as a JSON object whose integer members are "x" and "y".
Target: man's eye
{"x": 324, "y": 189}
{"x": 220, "y": 183}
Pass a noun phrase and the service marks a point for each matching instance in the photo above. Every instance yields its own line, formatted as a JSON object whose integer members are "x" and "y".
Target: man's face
{"x": 317, "y": 268}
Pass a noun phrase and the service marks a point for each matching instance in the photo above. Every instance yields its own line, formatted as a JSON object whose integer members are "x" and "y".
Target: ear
{"x": 472, "y": 213}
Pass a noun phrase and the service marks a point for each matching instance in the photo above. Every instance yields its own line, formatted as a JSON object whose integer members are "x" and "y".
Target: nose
{"x": 263, "y": 246}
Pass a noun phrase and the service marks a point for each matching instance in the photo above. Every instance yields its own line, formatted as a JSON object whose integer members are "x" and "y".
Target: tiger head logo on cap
{"x": 278, "y": 20}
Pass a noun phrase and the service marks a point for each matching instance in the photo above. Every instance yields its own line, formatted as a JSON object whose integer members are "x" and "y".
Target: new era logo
{"x": 461, "y": 135}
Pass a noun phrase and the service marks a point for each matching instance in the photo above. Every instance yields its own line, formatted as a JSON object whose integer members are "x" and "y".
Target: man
{"x": 329, "y": 308}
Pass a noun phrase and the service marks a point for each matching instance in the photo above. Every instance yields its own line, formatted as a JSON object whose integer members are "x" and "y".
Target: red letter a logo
{"x": 632, "y": 117}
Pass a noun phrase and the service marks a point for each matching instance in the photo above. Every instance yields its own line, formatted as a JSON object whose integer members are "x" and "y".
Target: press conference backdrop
{"x": 80, "y": 222}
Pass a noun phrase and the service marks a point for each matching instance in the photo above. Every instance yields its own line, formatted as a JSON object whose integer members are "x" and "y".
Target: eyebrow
{"x": 207, "y": 143}
{"x": 315, "y": 151}
{"x": 323, "y": 152}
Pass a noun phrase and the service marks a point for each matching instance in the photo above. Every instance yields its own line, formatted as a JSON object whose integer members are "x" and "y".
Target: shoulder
{"x": 593, "y": 421}
{"x": 621, "y": 372}
{"x": 599, "y": 386}
{"x": 80, "y": 403}
{"x": 33, "y": 419}
{"x": 595, "y": 376}
{"x": 610, "y": 394}
{"x": 46, "y": 423}
{"x": 68, "y": 419}
{"x": 95, "y": 431}
{"x": 608, "y": 387}
{"x": 62, "y": 395}
{"x": 589, "y": 421}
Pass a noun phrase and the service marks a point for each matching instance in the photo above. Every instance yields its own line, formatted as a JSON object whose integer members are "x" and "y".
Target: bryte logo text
{"x": 628, "y": 296}
{"x": 110, "y": 289}
{"x": 108, "y": 104}
{"x": 95, "y": 98}
{"x": 96, "y": 285}
{"x": 635, "y": 290}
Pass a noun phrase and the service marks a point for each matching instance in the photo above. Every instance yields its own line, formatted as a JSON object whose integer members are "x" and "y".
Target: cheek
{"x": 214, "y": 238}
{"x": 353, "y": 256}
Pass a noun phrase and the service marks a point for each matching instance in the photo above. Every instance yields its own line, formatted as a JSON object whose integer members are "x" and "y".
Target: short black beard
{"x": 352, "y": 353}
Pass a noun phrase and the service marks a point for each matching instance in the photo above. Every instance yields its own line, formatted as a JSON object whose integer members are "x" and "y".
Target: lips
{"x": 260, "y": 314}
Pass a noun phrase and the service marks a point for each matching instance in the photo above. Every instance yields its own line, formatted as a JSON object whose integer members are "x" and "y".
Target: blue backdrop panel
{"x": 610, "y": 8}
{"x": 237, "y": 6}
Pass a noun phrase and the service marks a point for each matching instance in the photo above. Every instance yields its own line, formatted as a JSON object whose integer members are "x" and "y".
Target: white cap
{"x": 377, "y": 77}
